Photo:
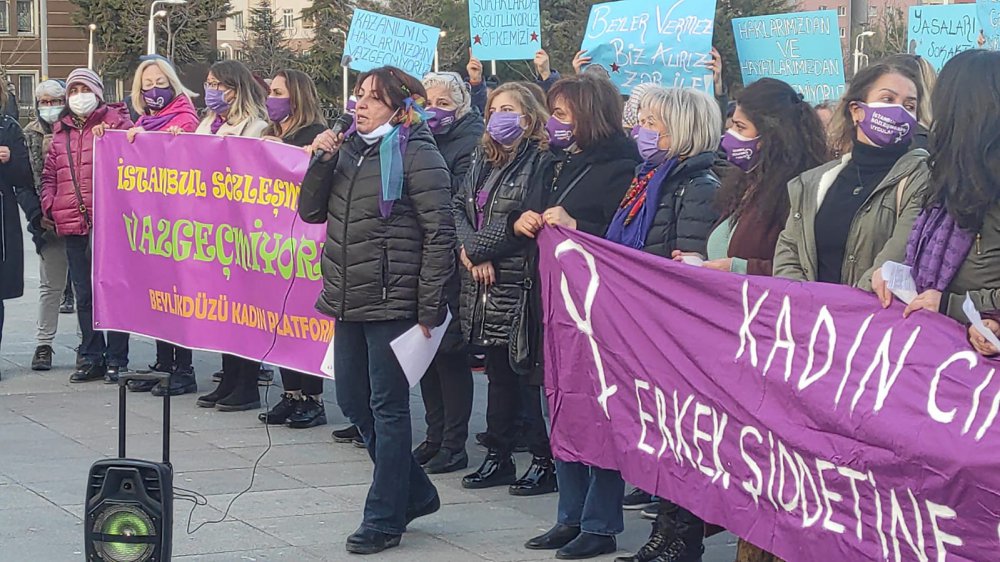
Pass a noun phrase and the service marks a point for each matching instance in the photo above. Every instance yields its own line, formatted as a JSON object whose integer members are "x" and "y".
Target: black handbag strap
{"x": 572, "y": 184}
{"x": 76, "y": 184}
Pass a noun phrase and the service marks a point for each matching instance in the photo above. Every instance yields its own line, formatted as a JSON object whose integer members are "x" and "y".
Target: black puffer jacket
{"x": 457, "y": 143}
{"x": 685, "y": 214}
{"x": 377, "y": 269}
{"x": 487, "y": 312}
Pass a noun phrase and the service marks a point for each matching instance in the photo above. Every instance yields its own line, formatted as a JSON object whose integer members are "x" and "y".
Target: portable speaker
{"x": 130, "y": 502}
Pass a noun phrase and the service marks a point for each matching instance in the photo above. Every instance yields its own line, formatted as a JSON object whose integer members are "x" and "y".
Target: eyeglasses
{"x": 51, "y": 103}
{"x": 213, "y": 85}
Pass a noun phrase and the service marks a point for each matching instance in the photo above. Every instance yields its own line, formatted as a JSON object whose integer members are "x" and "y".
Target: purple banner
{"x": 802, "y": 417}
{"x": 197, "y": 241}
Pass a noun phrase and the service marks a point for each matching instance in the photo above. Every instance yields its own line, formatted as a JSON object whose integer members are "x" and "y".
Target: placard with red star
{"x": 505, "y": 29}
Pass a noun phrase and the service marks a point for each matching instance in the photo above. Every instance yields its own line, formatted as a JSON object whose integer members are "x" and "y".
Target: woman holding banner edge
{"x": 667, "y": 210}
{"x": 235, "y": 107}
{"x": 293, "y": 110}
{"x": 164, "y": 104}
{"x": 594, "y": 162}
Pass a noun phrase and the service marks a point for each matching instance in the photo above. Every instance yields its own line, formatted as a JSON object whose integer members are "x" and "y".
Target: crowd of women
{"x": 432, "y": 201}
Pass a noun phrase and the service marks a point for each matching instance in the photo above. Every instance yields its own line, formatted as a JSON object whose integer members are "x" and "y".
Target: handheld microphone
{"x": 342, "y": 124}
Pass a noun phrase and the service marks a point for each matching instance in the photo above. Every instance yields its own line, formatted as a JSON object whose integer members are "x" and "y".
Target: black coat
{"x": 685, "y": 214}
{"x": 304, "y": 136}
{"x": 17, "y": 187}
{"x": 457, "y": 143}
{"x": 590, "y": 186}
{"x": 378, "y": 269}
{"x": 487, "y": 312}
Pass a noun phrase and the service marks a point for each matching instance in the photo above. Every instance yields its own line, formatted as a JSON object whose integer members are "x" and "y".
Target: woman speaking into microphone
{"x": 384, "y": 192}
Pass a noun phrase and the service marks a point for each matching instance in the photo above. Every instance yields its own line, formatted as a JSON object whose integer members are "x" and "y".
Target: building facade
{"x": 21, "y": 23}
{"x": 232, "y": 32}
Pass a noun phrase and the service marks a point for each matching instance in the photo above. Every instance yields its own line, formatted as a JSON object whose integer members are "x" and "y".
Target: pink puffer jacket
{"x": 59, "y": 200}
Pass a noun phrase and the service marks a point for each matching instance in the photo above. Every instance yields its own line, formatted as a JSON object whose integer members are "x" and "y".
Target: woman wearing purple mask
{"x": 293, "y": 109}
{"x": 161, "y": 100}
{"x": 447, "y": 387}
{"x": 235, "y": 107}
{"x": 775, "y": 136}
{"x": 164, "y": 104}
{"x": 849, "y": 216}
{"x": 235, "y": 102}
{"x": 512, "y": 162}
{"x": 595, "y": 162}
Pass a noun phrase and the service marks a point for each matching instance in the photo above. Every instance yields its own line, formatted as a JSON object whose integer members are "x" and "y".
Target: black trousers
{"x": 310, "y": 385}
{"x": 509, "y": 393}
{"x": 169, "y": 355}
{"x": 239, "y": 368}
{"x": 447, "y": 392}
{"x": 1, "y": 321}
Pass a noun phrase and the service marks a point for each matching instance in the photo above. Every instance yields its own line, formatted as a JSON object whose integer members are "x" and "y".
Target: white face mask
{"x": 51, "y": 114}
{"x": 83, "y": 104}
{"x": 379, "y": 132}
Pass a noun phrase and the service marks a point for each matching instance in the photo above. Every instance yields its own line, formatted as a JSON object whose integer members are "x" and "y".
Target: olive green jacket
{"x": 878, "y": 232}
{"x": 980, "y": 272}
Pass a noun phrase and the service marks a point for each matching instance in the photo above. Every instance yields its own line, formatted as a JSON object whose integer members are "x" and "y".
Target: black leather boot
{"x": 226, "y": 386}
{"x": 244, "y": 396}
{"x": 685, "y": 538}
{"x": 539, "y": 479}
{"x": 658, "y": 539}
{"x": 587, "y": 545}
{"x": 498, "y": 469}
{"x": 556, "y": 538}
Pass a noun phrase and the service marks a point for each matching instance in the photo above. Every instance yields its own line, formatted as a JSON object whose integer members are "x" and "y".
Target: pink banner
{"x": 197, "y": 241}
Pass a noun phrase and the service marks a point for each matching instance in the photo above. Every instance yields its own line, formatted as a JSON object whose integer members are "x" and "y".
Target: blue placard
{"x": 639, "y": 41}
{"x": 938, "y": 33}
{"x": 802, "y": 49}
{"x": 504, "y": 29}
{"x": 989, "y": 23}
{"x": 376, "y": 40}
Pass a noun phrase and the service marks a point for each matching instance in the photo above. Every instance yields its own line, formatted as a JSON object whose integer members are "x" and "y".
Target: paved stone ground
{"x": 306, "y": 496}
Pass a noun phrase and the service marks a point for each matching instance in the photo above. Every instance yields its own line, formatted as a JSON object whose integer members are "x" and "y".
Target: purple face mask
{"x": 740, "y": 151}
{"x": 887, "y": 124}
{"x": 505, "y": 127}
{"x": 157, "y": 98}
{"x": 635, "y": 132}
{"x": 560, "y": 134}
{"x": 216, "y": 101}
{"x": 440, "y": 119}
{"x": 649, "y": 148}
{"x": 278, "y": 109}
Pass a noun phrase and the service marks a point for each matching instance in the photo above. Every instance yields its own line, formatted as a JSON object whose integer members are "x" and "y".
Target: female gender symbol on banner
{"x": 584, "y": 324}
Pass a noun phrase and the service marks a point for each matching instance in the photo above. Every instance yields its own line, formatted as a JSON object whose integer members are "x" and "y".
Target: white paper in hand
{"x": 327, "y": 367}
{"x": 969, "y": 308}
{"x": 415, "y": 352}
{"x": 692, "y": 260}
{"x": 899, "y": 279}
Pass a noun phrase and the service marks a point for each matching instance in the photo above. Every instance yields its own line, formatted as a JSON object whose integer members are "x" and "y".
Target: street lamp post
{"x": 345, "y": 64}
{"x": 441, "y": 35}
{"x": 90, "y": 47}
{"x": 153, "y": 14}
{"x": 859, "y": 52}
{"x": 229, "y": 50}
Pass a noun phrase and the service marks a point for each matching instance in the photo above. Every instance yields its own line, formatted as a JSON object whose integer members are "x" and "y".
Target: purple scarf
{"x": 936, "y": 249}
{"x": 217, "y": 124}
{"x": 629, "y": 226}
{"x": 155, "y": 122}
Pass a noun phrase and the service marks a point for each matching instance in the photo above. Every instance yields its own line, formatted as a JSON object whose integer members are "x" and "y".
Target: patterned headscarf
{"x": 630, "y": 115}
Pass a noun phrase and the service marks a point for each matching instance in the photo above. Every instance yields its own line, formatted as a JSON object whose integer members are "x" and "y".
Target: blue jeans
{"x": 93, "y": 348}
{"x": 590, "y": 498}
{"x": 373, "y": 393}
